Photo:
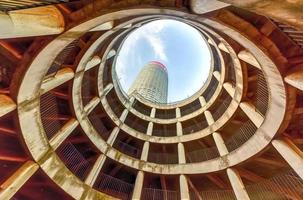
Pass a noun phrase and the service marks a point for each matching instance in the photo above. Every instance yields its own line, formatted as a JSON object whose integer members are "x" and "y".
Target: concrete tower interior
{"x": 68, "y": 131}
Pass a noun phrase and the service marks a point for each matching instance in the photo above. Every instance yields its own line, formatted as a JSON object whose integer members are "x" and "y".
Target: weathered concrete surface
{"x": 205, "y": 6}
{"x": 285, "y": 11}
{"x": 39, "y": 21}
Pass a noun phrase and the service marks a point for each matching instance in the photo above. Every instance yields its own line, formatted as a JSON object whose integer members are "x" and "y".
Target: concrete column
{"x": 229, "y": 88}
{"x": 181, "y": 153}
{"x": 223, "y": 47}
{"x": 96, "y": 60}
{"x": 110, "y": 54}
{"x": 145, "y": 150}
{"x": 217, "y": 75}
{"x": 184, "y": 191}
{"x": 220, "y": 144}
{"x": 62, "y": 76}
{"x": 123, "y": 115}
{"x": 209, "y": 117}
{"x": 91, "y": 105}
{"x": 295, "y": 79}
{"x": 251, "y": 111}
{"x": 44, "y": 20}
{"x": 103, "y": 27}
{"x": 202, "y": 101}
{"x": 237, "y": 184}
{"x": 107, "y": 89}
{"x": 17, "y": 180}
{"x": 111, "y": 139}
{"x": 63, "y": 133}
{"x": 94, "y": 172}
{"x": 6, "y": 105}
{"x": 205, "y": 6}
{"x": 138, "y": 186}
{"x": 178, "y": 113}
{"x": 153, "y": 113}
{"x": 149, "y": 128}
{"x": 291, "y": 153}
{"x": 179, "y": 129}
{"x": 210, "y": 41}
{"x": 247, "y": 57}
{"x": 131, "y": 101}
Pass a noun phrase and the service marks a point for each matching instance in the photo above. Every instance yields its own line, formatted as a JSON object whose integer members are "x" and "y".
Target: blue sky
{"x": 177, "y": 45}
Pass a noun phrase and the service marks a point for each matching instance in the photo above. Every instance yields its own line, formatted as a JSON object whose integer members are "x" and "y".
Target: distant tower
{"x": 151, "y": 83}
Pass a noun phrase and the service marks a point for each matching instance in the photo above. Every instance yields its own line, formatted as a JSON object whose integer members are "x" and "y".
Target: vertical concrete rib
{"x": 291, "y": 153}
{"x": 18, "y": 179}
{"x": 237, "y": 184}
{"x": 138, "y": 186}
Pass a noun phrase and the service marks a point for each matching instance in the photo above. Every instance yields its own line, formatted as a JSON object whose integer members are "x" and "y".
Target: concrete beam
{"x": 138, "y": 186}
{"x": 62, "y": 76}
{"x": 18, "y": 179}
{"x": 220, "y": 144}
{"x": 223, "y": 47}
{"x": 288, "y": 12}
{"x": 237, "y": 184}
{"x": 184, "y": 191}
{"x": 45, "y": 20}
{"x": 96, "y": 60}
{"x": 150, "y": 128}
{"x": 63, "y": 133}
{"x": 6, "y": 104}
{"x": 153, "y": 113}
{"x": 247, "y": 57}
{"x": 178, "y": 113}
{"x": 145, "y": 150}
{"x": 111, "y": 53}
{"x": 295, "y": 79}
{"x": 179, "y": 129}
{"x": 91, "y": 105}
{"x": 202, "y": 101}
{"x": 112, "y": 137}
{"x": 94, "y": 172}
{"x": 205, "y": 6}
{"x": 251, "y": 111}
{"x": 291, "y": 153}
{"x": 217, "y": 75}
{"x": 209, "y": 117}
{"x": 229, "y": 88}
{"x": 124, "y": 115}
{"x": 181, "y": 153}
{"x": 103, "y": 27}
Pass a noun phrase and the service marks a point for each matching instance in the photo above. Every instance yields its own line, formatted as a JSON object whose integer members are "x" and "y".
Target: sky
{"x": 178, "y": 46}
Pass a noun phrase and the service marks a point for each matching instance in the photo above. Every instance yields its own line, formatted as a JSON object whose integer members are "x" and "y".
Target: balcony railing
{"x": 202, "y": 154}
{"x": 243, "y": 134}
{"x": 163, "y": 158}
{"x": 58, "y": 63}
{"x": 74, "y": 160}
{"x": 218, "y": 112}
{"x": 50, "y": 115}
{"x": 128, "y": 149}
{"x": 158, "y": 194}
{"x": 114, "y": 186}
{"x": 262, "y": 95}
{"x": 283, "y": 186}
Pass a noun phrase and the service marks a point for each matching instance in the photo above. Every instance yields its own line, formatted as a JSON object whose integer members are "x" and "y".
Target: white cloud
{"x": 151, "y": 35}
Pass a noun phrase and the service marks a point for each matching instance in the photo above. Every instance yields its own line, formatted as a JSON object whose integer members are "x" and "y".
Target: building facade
{"x": 151, "y": 83}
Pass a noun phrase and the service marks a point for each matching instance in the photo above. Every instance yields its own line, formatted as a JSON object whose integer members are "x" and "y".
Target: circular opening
{"x": 171, "y": 50}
